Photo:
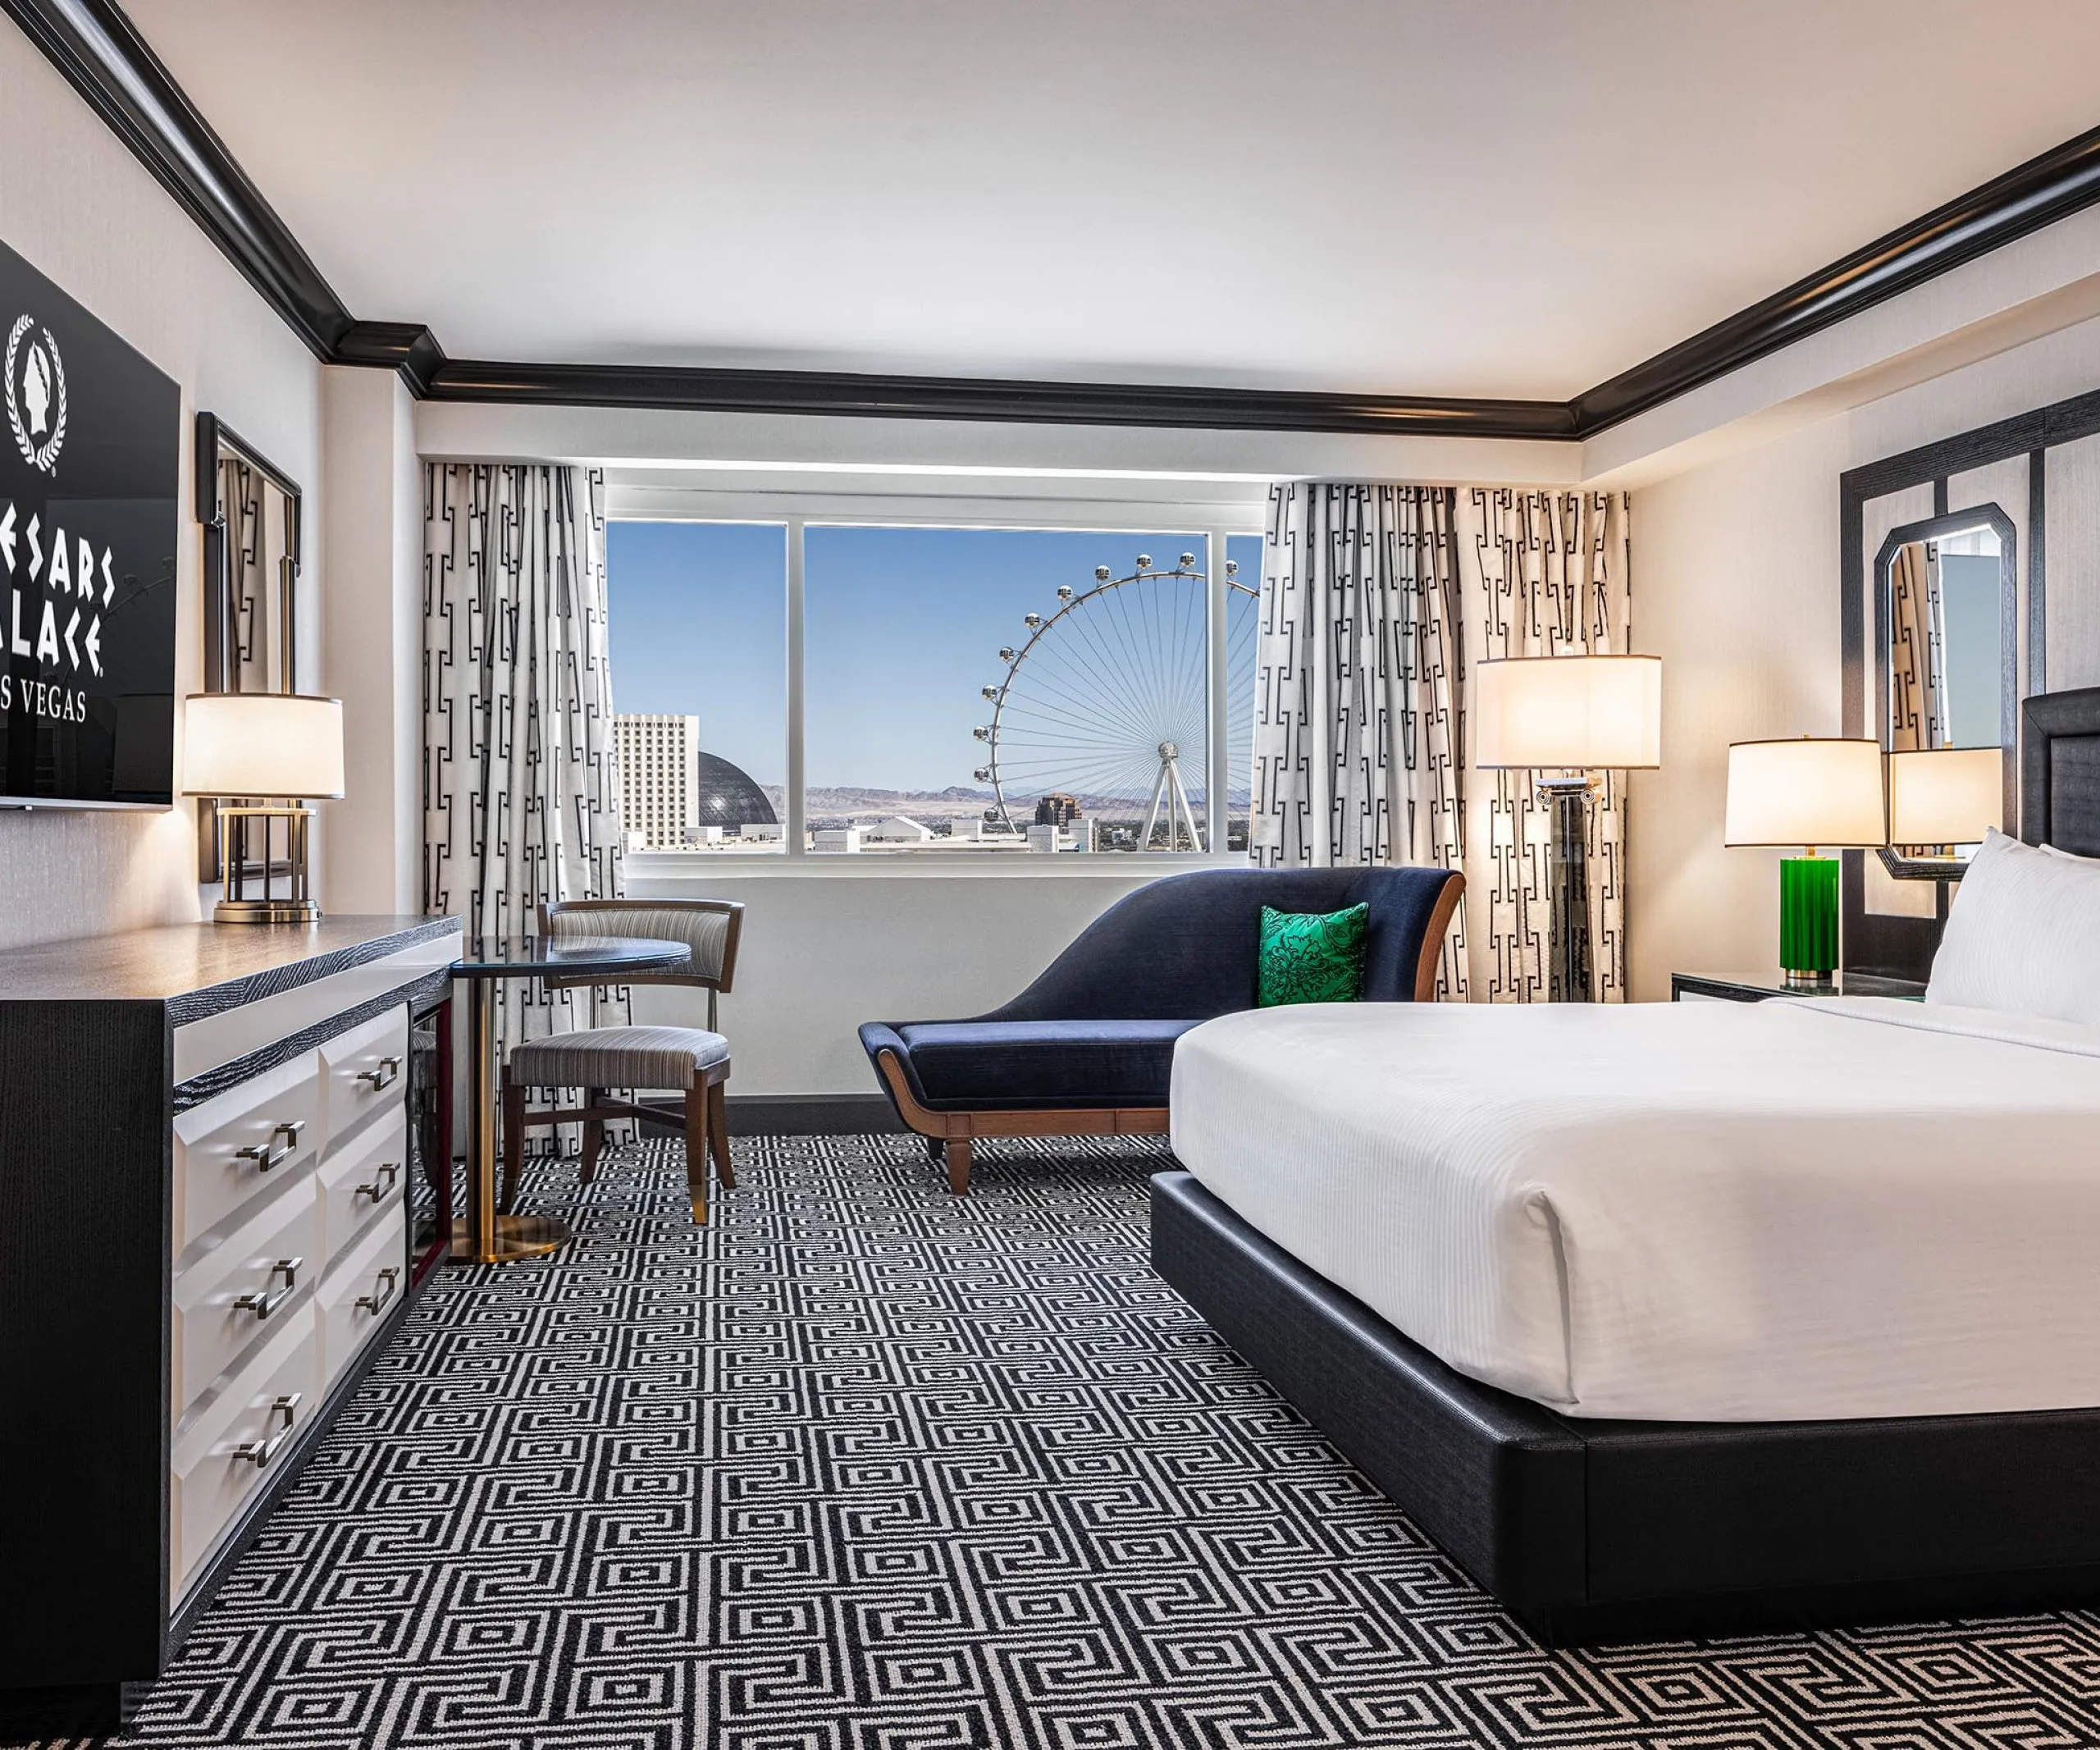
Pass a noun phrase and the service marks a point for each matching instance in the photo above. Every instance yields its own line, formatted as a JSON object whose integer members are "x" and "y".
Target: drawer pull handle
{"x": 259, "y": 1452}
{"x": 383, "y": 1181}
{"x": 385, "y": 1077}
{"x": 261, "y": 1302}
{"x": 388, "y": 1281}
{"x": 274, "y": 1153}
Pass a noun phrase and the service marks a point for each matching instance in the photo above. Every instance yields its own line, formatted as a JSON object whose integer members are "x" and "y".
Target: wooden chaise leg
{"x": 717, "y": 1133}
{"x": 697, "y": 1150}
{"x": 594, "y": 1135}
{"x": 958, "y": 1154}
{"x": 514, "y": 1144}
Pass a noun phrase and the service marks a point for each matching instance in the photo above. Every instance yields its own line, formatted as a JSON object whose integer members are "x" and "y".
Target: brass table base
{"x": 516, "y": 1237}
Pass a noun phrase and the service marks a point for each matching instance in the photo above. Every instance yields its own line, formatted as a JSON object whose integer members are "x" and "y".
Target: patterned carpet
{"x": 867, "y": 1467}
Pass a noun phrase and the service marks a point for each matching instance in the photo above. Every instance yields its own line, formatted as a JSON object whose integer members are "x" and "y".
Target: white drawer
{"x": 367, "y": 1176}
{"x": 254, "y": 1279}
{"x": 243, "y": 1143}
{"x": 361, "y": 1288}
{"x": 364, "y": 1070}
{"x": 222, "y": 1457}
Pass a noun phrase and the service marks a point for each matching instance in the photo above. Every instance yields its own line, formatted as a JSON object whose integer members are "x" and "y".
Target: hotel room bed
{"x": 1728, "y": 1212}
{"x": 1679, "y": 1317}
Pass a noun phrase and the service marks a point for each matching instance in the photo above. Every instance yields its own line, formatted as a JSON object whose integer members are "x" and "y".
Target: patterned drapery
{"x": 1545, "y": 573}
{"x": 1358, "y": 733}
{"x": 250, "y": 608}
{"x": 1916, "y": 703}
{"x": 521, "y": 785}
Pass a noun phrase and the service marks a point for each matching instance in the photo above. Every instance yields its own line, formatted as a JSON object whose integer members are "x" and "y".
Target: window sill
{"x": 931, "y": 866}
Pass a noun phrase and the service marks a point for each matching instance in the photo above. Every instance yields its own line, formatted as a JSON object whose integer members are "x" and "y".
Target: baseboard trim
{"x": 801, "y": 1115}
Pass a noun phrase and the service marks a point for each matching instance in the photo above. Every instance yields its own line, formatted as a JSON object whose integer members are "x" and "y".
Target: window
{"x": 966, "y": 691}
{"x": 697, "y": 628}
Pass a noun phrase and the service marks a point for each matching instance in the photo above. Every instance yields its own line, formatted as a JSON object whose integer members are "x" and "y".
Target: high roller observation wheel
{"x": 1109, "y": 695}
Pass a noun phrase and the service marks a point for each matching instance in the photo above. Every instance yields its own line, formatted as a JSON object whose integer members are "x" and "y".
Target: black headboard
{"x": 2060, "y": 770}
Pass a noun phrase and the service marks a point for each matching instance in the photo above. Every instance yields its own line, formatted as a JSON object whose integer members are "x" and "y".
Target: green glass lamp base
{"x": 1808, "y": 916}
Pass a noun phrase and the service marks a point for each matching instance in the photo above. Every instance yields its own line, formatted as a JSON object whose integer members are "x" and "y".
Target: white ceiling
{"x": 1448, "y": 197}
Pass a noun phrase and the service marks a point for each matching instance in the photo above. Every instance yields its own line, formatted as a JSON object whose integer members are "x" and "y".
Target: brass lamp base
{"x": 266, "y": 912}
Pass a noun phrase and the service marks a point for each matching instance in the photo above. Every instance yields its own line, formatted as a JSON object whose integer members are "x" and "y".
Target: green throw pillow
{"x": 1311, "y": 957}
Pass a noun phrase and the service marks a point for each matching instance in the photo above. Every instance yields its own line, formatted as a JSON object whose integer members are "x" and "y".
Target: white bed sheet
{"x": 1681, "y": 1212}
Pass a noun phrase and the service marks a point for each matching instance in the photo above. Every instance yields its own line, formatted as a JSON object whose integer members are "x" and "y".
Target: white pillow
{"x": 2022, "y": 934}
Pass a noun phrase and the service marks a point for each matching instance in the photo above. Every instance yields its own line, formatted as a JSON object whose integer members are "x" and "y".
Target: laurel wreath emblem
{"x": 44, "y": 456}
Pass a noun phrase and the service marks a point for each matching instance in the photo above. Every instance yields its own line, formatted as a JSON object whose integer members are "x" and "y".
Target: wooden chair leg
{"x": 594, "y": 1135}
{"x": 958, "y": 1154}
{"x": 717, "y": 1133}
{"x": 514, "y": 1144}
{"x": 697, "y": 1152}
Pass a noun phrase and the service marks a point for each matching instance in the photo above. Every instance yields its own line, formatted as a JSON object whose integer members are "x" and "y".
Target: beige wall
{"x": 76, "y": 204}
{"x": 371, "y": 547}
{"x": 1736, "y": 586}
{"x": 826, "y": 948}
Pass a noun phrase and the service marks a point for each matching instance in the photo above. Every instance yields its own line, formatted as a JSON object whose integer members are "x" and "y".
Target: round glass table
{"x": 484, "y": 1234}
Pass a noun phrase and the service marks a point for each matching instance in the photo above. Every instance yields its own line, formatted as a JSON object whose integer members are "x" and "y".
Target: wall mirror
{"x": 250, "y": 512}
{"x": 1946, "y": 623}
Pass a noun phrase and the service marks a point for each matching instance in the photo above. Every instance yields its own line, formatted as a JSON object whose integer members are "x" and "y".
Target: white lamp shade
{"x": 1571, "y": 711}
{"x": 1808, "y": 792}
{"x": 1945, "y": 795}
{"x": 261, "y": 745}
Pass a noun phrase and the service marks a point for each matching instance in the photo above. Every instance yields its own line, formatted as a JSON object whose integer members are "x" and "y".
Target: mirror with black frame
{"x": 249, "y": 509}
{"x": 1947, "y": 613}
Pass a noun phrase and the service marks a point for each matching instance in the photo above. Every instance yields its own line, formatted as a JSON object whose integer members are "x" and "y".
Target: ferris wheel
{"x": 1104, "y": 709}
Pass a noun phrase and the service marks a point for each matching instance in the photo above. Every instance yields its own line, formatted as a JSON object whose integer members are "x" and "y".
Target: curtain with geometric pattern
{"x": 1358, "y": 735}
{"x": 1916, "y": 705}
{"x": 1544, "y": 574}
{"x": 521, "y": 784}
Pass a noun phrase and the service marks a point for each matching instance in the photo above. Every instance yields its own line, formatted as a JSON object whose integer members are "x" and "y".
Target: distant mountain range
{"x": 835, "y": 804}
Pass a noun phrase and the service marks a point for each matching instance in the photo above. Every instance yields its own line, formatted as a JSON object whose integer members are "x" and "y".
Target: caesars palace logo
{"x": 36, "y": 393}
{"x": 75, "y": 584}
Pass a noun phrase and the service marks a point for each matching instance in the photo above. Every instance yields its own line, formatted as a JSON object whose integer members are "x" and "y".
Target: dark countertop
{"x": 200, "y": 969}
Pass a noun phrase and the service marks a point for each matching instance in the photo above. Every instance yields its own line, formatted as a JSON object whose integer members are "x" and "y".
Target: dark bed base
{"x": 1609, "y": 1530}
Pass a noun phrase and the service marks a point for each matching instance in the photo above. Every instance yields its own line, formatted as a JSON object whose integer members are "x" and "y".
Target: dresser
{"x": 205, "y": 1160}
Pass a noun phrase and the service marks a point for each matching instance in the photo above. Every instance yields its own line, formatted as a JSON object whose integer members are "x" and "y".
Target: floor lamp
{"x": 1568, "y": 718}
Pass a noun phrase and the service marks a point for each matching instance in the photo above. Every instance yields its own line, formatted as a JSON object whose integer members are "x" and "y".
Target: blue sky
{"x": 903, "y": 626}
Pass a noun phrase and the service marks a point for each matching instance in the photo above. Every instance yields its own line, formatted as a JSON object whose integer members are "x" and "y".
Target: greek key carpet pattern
{"x": 865, "y": 1466}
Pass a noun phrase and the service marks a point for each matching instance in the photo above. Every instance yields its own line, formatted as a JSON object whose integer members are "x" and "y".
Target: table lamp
{"x": 1810, "y": 792}
{"x": 1942, "y": 797}
{"x": 266, "y": 755}
{"x": 1573, "y": 717}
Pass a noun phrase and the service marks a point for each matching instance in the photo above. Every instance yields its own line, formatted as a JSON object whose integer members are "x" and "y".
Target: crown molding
{"x": 856, "y": 395}
{"x": 2053, "y": 186}
{"x": 105, "y": 59}
{"x": 102, "y": 56}
{"x": 407, "y": 347}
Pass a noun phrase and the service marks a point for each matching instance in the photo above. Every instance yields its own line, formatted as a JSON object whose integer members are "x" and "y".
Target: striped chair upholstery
{"x": 707, "y": 933}
{"x": 618, "y": 1058}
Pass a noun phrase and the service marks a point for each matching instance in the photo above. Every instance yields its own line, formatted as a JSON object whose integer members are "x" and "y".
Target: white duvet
{"x": 1683, "y": 1211}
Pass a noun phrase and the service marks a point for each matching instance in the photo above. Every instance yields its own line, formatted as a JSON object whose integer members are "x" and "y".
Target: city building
{"x": 896, "y": 830}
{"x": 660, "y": 778}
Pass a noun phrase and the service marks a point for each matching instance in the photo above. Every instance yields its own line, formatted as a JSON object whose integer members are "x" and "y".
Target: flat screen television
{"x": 89, "y": 470}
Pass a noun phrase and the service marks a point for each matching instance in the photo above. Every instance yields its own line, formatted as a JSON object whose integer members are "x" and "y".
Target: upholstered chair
{"x": 690, "y": 1061}
{"x": 1088, "y": 1049}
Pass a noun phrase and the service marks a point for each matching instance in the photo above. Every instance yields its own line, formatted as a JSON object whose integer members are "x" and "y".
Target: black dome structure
{"x": 728, "y": 798}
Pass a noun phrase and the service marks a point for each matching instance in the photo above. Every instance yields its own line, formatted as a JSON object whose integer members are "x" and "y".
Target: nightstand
{"x": 1697, "y": 987}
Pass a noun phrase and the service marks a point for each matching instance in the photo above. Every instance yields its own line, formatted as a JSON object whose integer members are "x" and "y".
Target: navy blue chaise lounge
{"x": 1087, "y": 1049}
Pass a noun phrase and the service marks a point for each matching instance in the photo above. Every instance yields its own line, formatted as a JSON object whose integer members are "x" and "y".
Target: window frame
{"x": 1212, "y": 523}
